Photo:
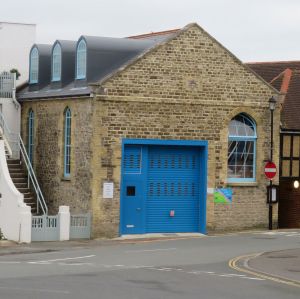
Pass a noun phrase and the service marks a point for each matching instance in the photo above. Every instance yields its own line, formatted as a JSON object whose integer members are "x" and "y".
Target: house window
{"x": 290, "y": 155}
{"x": 81, "y": 60}
{"x": 67, "y": 143}
{"x": 56, "y": 63}
{"x": 241, "y": 149}
{"x": 30, "y": 135}
{"x": 34, "y": 65}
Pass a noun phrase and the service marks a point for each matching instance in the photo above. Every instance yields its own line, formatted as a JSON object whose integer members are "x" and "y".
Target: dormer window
{"x": 56, "y": 63}
{"x": 81, "y": 60}
{"x": 34, "y": 66}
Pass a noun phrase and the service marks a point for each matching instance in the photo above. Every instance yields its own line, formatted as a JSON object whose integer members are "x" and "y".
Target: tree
{"x": 16, "y": 72}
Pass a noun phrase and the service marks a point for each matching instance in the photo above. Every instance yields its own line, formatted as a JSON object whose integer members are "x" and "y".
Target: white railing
{"x": 7, "y": 85}
{"x": 16, "y": 145}
{"x": 41, "y": 203}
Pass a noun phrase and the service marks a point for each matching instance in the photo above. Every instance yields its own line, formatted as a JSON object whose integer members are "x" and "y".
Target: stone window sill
{"x": 242, "y": 184}
{"x": 66, "y": 179}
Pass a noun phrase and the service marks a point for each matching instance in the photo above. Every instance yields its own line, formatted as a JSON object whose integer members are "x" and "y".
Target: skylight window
{"x": 81, "y": 60}
{"x": 56, "y": 63}
{"x": 34, "y": 66}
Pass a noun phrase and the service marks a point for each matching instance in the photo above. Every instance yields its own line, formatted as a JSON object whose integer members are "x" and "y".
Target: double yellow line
{"x": 233, "y": 263}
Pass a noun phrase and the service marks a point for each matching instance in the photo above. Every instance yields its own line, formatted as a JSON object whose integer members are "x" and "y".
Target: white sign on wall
{"x": 108, "y": 190}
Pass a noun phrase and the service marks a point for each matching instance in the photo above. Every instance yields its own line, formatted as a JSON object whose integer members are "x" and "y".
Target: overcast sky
{"x": 254, "y": 30}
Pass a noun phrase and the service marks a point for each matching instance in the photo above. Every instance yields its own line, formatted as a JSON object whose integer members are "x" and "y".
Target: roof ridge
{"x": 154, "y": 33}
{"x": 272, "y": 62}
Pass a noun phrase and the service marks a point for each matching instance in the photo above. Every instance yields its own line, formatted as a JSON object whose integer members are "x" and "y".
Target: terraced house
{"x": 163, "y": 132}
{"x": 285, "y": 77}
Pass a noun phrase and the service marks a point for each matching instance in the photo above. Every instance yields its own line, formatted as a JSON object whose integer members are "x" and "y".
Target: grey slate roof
{"x": 104, "y": 56}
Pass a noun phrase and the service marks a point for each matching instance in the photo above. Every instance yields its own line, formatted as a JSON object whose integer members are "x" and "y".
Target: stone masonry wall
{"x": 188, "y": 88}
{"x": 49, "y": 151}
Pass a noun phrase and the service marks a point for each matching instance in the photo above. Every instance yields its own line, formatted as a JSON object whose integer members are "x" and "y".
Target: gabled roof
{"x": 105, "y": 56}
{"x": 285, "y": 77}
{"x": 114, "y": 56}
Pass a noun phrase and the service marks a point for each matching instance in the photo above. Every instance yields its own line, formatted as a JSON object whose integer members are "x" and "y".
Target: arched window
{"x": 241, "y": 149}
{"x": 81, "y": 60}
{"x": 56, "y": 63}
{"x": 30, "y": 135}
{"x": 67, "y": 143}
{"x": 34, "y": 66}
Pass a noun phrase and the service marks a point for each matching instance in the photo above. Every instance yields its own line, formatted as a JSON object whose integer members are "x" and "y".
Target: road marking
{"x": 231, "y": 275}
{"x": 8, "y": 262}
{"x": 36, "y": 290}
{"x": 150, "y": 250}
{"x": 253, "y": 278}
{"x": 266, "y": 276}
{"x": 75, "y": 264}
{"x": 64, "y": 259}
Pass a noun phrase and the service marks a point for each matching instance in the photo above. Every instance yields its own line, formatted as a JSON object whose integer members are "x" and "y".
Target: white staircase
{"x": 6, "y": 145}
{"x": 19, "y": 165}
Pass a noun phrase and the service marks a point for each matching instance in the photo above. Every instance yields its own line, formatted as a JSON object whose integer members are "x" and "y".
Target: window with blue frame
{"x": 67, "y": 143}
{"x": 34, "y": 66}
{"x": 30, "y": 135}
{"x": 81, "y": 60}
{"x": 241, "y": 149}
{"x": 56, "y": 63}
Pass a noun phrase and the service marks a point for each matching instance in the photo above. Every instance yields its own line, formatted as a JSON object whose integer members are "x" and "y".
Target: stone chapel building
{"x": 165, "y": 132}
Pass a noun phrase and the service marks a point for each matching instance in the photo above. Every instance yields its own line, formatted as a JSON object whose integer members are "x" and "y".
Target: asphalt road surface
{"x": 182, "y": 268}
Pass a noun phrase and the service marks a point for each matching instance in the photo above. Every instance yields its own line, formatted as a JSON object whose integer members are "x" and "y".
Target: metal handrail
{"x": 31, "y": 175}
{"x": 40, "y": 198}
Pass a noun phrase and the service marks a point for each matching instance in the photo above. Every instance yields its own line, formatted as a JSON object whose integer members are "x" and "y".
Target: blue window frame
{"x": 81, "y": 60}
{"x": 67, "y": 143}
{"x": 56, "y": 63}
{"x": 34, "y": 66}
{"x": 30, "y": 135}
{"x": 241, "y": 149}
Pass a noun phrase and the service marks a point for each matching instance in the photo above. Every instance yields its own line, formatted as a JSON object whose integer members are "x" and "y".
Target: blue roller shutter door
{"x": 173, "y": 178}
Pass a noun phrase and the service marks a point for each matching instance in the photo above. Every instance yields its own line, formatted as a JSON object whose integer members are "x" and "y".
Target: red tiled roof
{"x": 152, "y": 34}
{"x": 285, "y": 77}
{"x": 269, "y": 70}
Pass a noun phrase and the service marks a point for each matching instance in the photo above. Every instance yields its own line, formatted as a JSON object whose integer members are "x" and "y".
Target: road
{"x": 181, "y": 268}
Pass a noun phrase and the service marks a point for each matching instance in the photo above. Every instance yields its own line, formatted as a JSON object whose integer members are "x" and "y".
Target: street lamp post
{"x": 272, "y": 104}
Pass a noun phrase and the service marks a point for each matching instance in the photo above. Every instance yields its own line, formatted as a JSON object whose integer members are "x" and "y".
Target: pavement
{"x": 281, "y": 266}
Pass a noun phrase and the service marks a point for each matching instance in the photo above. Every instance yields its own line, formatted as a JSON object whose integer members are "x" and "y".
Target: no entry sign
{"x": 270, "y": 170}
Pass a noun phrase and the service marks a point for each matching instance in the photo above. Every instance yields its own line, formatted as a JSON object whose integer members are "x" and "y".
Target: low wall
{"x": 15, "y": 215}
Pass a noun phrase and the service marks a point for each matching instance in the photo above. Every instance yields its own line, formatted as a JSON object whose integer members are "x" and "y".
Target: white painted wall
{"x": 16, "y": 41}
{"x": 12, "y": 115}
{"x": 15, "y": 215}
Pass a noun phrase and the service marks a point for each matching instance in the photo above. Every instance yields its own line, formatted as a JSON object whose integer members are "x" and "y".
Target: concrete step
{"x": 13, "y": 166}
{"x": 19, "y": 180}
{"x": 22, "y": 187}
{"x": 17, "y": 175}
{"x": 13, "y": 161}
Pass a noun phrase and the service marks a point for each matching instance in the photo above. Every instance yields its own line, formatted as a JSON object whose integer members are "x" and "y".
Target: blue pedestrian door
{"x": 163, "y": 189}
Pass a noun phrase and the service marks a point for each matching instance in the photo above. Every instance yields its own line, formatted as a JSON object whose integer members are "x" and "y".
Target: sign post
{"x": 270, "y": 173}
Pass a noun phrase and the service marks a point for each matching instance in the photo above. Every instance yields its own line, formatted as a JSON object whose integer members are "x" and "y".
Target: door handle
{"x": 138, "y": 209}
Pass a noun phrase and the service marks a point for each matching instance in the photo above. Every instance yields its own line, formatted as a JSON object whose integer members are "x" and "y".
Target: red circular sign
{"x": 270, "y": 170}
